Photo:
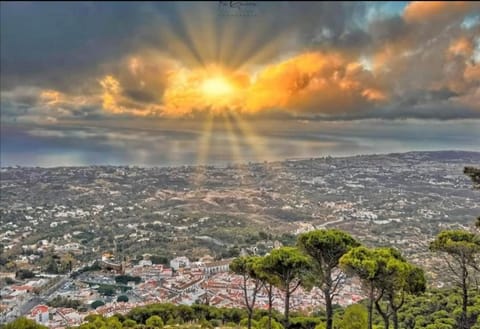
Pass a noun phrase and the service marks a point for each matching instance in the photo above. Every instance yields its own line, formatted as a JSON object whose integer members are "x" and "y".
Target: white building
{"x": 40, "y": 314}
{"x": 180, "y": 262}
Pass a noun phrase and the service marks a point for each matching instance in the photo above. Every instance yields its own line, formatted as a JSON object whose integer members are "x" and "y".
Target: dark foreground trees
{"x": 23, "y": 323}
{"x": 326, "y": 247}
{"x": 287, "y": 266}
{"x": 462, "y": 249}
{"x": 387, "y": 278}
{"x": 246, "y": 268}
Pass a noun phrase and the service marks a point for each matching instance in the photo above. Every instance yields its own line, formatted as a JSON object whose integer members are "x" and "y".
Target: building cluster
{"x": 186, "y": 282}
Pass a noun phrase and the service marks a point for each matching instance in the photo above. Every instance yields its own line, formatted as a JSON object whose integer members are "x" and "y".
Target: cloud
{"x": 314, "y": 60}
{"x": 427, "y": 12}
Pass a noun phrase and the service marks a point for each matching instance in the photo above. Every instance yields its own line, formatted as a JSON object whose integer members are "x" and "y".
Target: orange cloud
{"x": 115, "y": 102}
{"x": 212, "y": 88}
{"x": 311, "y": 82}
{"x": 462, "y": 46}
{"x": 424, "y": 11}
{"x": 472, "y": 73}
{"x": 51, "y": 97}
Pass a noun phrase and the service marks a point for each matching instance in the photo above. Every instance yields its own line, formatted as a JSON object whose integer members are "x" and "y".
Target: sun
{"x": 216, "y": 87}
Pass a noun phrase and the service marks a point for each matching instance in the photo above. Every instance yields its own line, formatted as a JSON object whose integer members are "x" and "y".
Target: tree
{"x": 360, "y": 261}
{"x": 269, "y": 281}
{"x": 385, "y": 274}
{"x": 462, "y": 248}
{"x": 24, "y": 274}
{"x": 396, "y": 278}
{"x": 288, "y": 266}
{"x": 245, "y": 267}
{"x": 96, "y": 304}
{"x": 355, "y": 317}
{"x": 122, "y": 299}
{"x": 474, "y": 174}
{"x": 154, "y": 321}
{"x": 326, "y": 247}
{"x": 129, "y": 323}
{"x": 106, "y": 290}
{"x": 23, "y": 323}
{"x": 157, "y": 259}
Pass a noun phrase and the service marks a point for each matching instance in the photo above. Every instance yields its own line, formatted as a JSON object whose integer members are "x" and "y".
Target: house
{"x": 41, "y": 314}
{"x": 217, "y": 267}
{"x": 180, "y": 262}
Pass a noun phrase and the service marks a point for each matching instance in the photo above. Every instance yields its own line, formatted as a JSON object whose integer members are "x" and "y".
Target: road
{"x": 43, "y": 297}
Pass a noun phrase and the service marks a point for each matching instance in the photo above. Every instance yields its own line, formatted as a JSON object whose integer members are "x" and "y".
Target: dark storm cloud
{"x": 60, "y": 44}
{"x": 71, "y": 47}
{"x": 57, "y": 42}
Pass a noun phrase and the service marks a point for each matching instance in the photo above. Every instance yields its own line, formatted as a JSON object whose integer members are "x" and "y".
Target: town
{"x": 103, "y": 239}
{"x": 108, "y": 288}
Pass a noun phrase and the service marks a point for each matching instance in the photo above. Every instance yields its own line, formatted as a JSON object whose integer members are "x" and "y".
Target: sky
{"x": 162, "y": 84}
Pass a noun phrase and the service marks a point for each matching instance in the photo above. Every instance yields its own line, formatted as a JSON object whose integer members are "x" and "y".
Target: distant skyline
{"x": 141, "y": 83}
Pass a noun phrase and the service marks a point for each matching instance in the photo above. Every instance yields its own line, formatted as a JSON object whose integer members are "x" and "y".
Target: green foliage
{"x": 60, "y": 301}
{"x": 326, "y": 247}
{"x": 387, "y": 276}
{"x": 458, "y": 243}
{"x": 9, "y": 280}
{"x": 244, "y": 266}
{"x": 129, "y": 323}
{"x": 354, "y": 317}
{"x": 24, "y": 274}
{"x": 156, "y": 259}
{"x": 23, "y": 323}
{"x": 122, "y": 299}
{"x": 154, "y": 321}
{"x": 106, "y": 290}
{"x": 304, "y": 322}
{"x": 97, "y": 304}
{"x": 263, "y": 323}
{"x": 287, "y": 266}
{"x": 125, "y": 279}
{"x": 474, "y": 174}
{"x": 463, "y": 247}
{"x": 244, "y": 323}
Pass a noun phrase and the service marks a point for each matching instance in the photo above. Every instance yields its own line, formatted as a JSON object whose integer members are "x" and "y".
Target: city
{"x": 76, "y": 241}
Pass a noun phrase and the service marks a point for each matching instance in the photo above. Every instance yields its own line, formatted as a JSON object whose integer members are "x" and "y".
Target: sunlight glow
{"x": 216, "y": 87}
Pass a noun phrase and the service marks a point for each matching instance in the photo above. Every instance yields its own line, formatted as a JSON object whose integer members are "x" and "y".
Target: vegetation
{"x": 245, "y": 267}
{"x": 326, "y": 247}
{"x": 125, "y": 279}
{"x": 287, "y": 265}
{"x": 396, "y": 289}
{"x": 23, "y": 323}
{"x": 433, "y": 309}
{"x": 64, "y": 302}
{"x": 24, "y": 274}
{"x": 462, "y": 248}
{"x": 474, "y": 174}
{"x": 96, "y": 304}
{"x": 122, "y": 299}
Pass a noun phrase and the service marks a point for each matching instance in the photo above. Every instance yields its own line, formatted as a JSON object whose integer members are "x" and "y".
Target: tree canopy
{"x": 326, "y": 247}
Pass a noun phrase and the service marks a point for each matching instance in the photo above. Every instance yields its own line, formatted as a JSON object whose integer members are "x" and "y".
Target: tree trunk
{"x": 287, "y": 308}
{"x": 249, "y": 323}
{"x": 385, "y": 315}
{"x": 395, "y": 309}
{"x": 370, "y": 308}
{"x": 270, "y": 305}
{"x": 329, "y": 310}
{"x": 395, "y": 319}
{"x": 464, "y": 322}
